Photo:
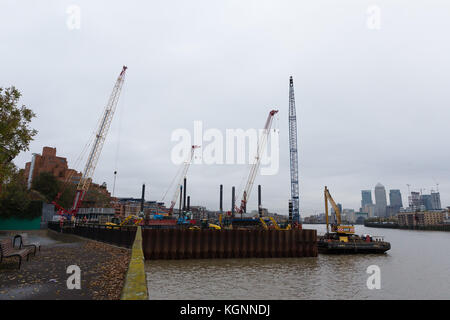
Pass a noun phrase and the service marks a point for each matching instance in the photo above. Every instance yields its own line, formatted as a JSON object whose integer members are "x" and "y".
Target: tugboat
{"x": 342, "y": 238}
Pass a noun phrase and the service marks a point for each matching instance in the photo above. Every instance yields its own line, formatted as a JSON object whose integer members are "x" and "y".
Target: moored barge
{"x": 342, "y": 238}
{"x": 351, "y": 244}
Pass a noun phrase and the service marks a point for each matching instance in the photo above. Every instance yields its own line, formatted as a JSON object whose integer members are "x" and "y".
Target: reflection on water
{"x": 417, "y": 267}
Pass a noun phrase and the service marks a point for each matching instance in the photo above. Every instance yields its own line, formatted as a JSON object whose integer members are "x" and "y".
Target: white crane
{"x": 255, "y": 166}
{"x": 182, "y": 176}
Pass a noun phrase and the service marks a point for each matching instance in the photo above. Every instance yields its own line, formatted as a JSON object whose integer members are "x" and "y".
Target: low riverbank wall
{"x": 396, "y": 226}
{"x": 135, "y": 287}
{"x": 217, "y": 244}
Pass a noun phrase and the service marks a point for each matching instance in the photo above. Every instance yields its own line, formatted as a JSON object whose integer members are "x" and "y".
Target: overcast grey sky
{"x": 372, "y": 104}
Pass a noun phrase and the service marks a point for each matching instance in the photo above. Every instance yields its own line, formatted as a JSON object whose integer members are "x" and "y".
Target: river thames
{"x": 416, "y": 267}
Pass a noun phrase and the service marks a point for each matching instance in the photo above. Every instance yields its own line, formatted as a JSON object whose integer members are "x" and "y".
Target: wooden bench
{"x": 7, "y": 250}
{"x": 24, "y": 242}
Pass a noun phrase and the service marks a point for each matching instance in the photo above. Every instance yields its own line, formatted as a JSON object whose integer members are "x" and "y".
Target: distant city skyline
{"x": 430, "y": 201}
{"x": 395, "y": 205}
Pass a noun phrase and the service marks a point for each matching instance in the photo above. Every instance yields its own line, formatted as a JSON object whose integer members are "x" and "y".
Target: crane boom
{"x": 104, "y": 124}
{"x": 183, "y": 175}
{"x": 255, "y": 166}
{"x": 338, "y": 227}
{"x": 293, "y": 154}
{"x": 328, "y": 197}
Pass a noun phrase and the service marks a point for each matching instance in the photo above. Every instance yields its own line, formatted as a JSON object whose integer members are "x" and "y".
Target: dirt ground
{"x": 44, "y": 276}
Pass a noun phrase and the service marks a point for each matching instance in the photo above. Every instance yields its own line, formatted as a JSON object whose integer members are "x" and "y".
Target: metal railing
{"x": 122, "y": 236}
{"x": 96, "y": 211}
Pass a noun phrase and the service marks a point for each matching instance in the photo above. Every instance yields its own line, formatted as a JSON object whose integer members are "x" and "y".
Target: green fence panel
{"x": 20, "y": 224}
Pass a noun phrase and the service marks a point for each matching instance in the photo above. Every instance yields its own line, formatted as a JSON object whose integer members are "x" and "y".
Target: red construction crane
{"x": 105, "y": 122}
{"x": 255, "y": 166}
{"x": 181, "y": 178}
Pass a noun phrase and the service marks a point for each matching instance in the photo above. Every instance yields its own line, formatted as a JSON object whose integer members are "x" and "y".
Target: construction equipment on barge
{"x": 342, "y": 238}
{"x": 255, "y": 166}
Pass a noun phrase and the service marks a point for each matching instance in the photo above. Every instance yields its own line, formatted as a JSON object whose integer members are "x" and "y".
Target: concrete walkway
{"x": 44, "y": 276}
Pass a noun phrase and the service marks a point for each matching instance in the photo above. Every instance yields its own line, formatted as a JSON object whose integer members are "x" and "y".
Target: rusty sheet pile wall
{"x": 203, "y": 244}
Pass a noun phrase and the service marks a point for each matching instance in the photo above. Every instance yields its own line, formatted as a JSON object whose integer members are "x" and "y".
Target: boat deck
{"x": 351, "y": 247}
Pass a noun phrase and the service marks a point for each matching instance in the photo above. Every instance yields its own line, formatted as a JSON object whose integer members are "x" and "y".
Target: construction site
{"x": 172, "y": 231}
{"x": 224, "y": 150}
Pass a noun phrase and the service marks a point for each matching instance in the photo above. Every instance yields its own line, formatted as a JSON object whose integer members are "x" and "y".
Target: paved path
{"x": 102, "y": 267}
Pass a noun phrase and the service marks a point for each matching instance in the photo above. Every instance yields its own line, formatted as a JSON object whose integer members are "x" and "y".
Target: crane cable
{"x": 175, "y": 178}
{"x": 77, "y": 163}
{"x": 119, "y": 131}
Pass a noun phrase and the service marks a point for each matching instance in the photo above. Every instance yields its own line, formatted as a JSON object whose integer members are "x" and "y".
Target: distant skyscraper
{"x": 366, "y": 198}
{"x": 370, "y": 210}
{"x": 391, "y": 211}
{"x": 435, "y": 201}
{"x": 380, "y": 200}
{"x": 395, "y": 203}
{"x": 349, "y": 215}
{"x": 395, "y": 198}
{"x": 333, "y": 213}
{"x": 425, "y": 200}
{"x": 414, "y": 200}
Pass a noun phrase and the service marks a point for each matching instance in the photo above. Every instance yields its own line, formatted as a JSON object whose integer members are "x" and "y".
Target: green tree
{"x": 93, "y": 198}
{"x": 15, "y": 200}
{"x": 67, "y": 195}
{"x": 47, "y": 185}
{"x": 96, "y": 197}
{"x": 15, "y": 133}
{"x": 14, "y": 196}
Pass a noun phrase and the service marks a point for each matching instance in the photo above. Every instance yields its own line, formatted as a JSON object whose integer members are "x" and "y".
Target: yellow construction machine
{"x": 135, "y": 220}
{"x": 342, "y": 238}
{"x": 273, "y": 223}
{"x": 341, "y": 230}
{"x": 129, "y": 220}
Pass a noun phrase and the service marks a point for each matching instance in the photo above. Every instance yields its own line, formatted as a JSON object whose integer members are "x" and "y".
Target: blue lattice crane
{"x": 293, "y": 155}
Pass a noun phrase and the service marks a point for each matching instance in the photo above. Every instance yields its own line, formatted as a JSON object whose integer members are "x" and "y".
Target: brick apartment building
{"x": 48, "y": 161}
{"x": 426, "y": 218}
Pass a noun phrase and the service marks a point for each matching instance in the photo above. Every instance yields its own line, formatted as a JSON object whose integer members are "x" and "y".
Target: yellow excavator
{"x": 135, "y": 220}
{"x": 341, "y": 230}
{"x": 274, "y": 224}
{"x": 206, "y": 225}
{"x": 342, "y": 238}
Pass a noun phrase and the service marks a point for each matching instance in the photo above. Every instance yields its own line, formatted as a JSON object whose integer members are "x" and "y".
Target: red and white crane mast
{"x": 103, "y": 128}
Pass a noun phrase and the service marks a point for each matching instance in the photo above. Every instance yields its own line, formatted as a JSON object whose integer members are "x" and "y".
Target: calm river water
{"x": 416, "y": 267}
